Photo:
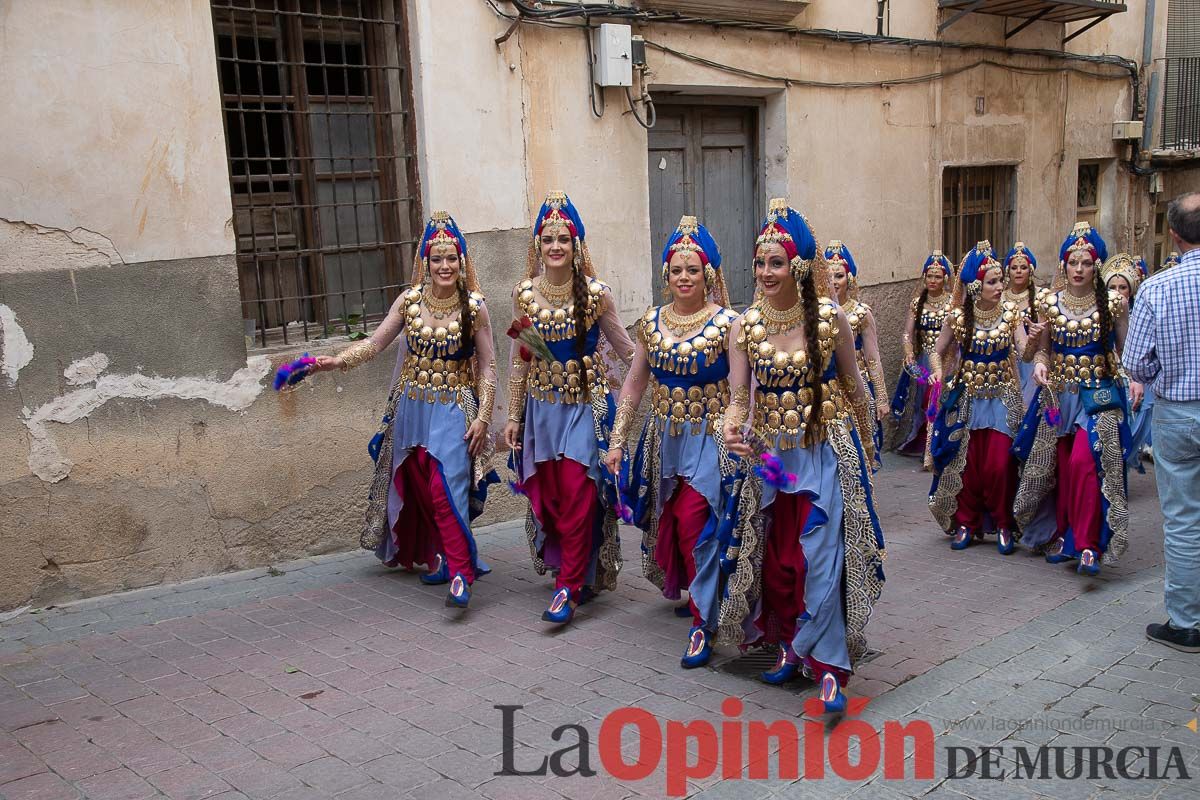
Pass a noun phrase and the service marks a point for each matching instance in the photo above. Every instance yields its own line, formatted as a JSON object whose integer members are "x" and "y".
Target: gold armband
{"x": 516, "y": 397}
{"x": 1031, "y": 350}
{"x": 875, "y": 370}
{"x": 861, "y": 412}
{"x": 1042, "y": 357}
{"x": 739, "y": 405}
{"x": 626, "y": 409}
{"x": 487, "y": 398}
{"x": 935, "y": 362}
{"x": 358, "y": 354}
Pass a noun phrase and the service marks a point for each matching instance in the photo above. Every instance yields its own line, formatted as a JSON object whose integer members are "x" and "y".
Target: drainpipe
{"x": 1152, "y": 90}
{"x": 882, "y": 9}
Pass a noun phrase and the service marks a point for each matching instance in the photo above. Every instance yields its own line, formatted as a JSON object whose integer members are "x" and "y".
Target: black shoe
{"x": 1185, "y": 639}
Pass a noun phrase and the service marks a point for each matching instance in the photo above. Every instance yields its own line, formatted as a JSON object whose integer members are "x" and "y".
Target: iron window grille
{"x": 978, "y": 203}
{"x": 319, "y": 133}
{"x": 1181, "y": 104}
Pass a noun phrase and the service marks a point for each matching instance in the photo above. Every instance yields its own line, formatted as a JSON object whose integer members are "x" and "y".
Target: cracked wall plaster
{"x": 16, "y": 351}
{"x": 48, "y": 463}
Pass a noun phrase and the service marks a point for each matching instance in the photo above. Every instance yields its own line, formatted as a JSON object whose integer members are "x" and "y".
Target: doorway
{"x": 703, "y": 160}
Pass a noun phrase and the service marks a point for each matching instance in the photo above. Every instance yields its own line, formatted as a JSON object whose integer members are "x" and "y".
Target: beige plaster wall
{"x": 470, "y": 107}
{"x": 111, "y": 132}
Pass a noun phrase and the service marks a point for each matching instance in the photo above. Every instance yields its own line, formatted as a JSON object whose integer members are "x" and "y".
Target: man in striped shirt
{"x": 1162, "y": 349}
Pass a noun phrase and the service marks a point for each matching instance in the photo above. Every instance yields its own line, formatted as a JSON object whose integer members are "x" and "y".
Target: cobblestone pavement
{"x": 331, "y": 676}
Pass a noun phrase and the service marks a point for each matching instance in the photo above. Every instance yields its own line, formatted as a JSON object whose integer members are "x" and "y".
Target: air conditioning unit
{"x": 1128, "y": 130}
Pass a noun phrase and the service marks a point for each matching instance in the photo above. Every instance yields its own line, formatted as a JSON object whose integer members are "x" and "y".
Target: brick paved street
{"x": 333, "y": 677}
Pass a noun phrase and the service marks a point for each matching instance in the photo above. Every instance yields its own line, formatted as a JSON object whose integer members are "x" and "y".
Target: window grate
{"x": 319, "y": 136}
{"x": 978, "y": 203}
{"x": 1181, "y": 105}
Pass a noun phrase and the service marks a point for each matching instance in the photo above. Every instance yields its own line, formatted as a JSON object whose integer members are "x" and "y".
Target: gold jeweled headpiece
{"x": 1122, "y": 264}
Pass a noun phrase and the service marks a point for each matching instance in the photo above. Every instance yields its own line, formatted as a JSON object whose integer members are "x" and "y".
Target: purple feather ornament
{"x": 294, "y": 371}
{"x": 935, "y": 396}
{"x": 772, "y": 474}
{"x": 1053, "y": 417}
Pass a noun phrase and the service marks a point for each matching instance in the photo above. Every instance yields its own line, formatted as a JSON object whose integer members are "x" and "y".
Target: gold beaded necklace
{"x": 439, "y": 308}
{"x": 782, "y": 321}
{"x": 939, "y": 302}
{"x": 680, "y": 325}
{"x": 985, "y": 319}
{"x": 557, "y": 295}
{"x": 1078, "y": 305}
{"x": 1021, "y": 298}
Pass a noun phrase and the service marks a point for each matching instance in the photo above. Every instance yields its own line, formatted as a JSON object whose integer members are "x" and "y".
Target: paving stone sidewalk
{"x": 331, "y": 677}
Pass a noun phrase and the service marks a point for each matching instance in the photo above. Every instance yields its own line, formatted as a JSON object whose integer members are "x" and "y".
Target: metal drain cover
{"x": 749, "y": 664}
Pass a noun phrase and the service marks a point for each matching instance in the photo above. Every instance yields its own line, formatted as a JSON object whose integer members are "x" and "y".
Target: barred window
{"x": 978, "y": 203}
{"x": 319, "y": 134}
{"x": 1087, "y": 193}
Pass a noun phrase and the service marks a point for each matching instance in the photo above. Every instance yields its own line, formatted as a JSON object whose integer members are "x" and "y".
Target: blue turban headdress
{"x": 938, "y": 258}
{"x": 558, "y": 209}
{"x": 1020, "y": 251}
{"x": 788, "y": 228}
{"x": 692, "y": 237}
{"x": 442, "y": 229}
{"x": 975, "y": 265}
{"x": 1083, "y": 237}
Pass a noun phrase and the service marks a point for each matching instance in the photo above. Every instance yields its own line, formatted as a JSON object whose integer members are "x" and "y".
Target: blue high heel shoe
{"x": 1055, "y": 554}
{"x": 439, "y": 575}
{"x": 1004, "y": 542}
{"x": 831, "y": 694}
{"x": 1089, "y": 563}
{"x": 962, "y": 538}
{"x": 784, "y": 670}
{"x": 699, "y": 649}
{"x": 460, "y": 592}
{"x": 684, "y": 611}
{"x": 560, "y": 611}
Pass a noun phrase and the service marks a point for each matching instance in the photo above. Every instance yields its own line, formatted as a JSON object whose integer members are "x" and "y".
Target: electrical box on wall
{"x": 612, "y": 55}
{"x": 1126, "y": 131}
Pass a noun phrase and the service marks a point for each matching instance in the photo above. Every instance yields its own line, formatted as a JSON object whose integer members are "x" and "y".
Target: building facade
{"x": 195, "y": 191}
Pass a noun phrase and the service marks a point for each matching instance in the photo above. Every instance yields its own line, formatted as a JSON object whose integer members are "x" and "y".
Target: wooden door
{"x": 703, "y": 160}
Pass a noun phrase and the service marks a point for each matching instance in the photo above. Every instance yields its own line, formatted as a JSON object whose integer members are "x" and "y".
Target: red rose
{"x": 525, "y": 354}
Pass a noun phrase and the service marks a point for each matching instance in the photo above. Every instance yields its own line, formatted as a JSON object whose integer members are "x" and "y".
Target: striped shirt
{"x": 1162, "y": 348}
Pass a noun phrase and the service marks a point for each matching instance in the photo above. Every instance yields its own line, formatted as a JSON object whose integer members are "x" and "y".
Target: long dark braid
{"x": 465, "y": 323}
{"x": 918, "y": 339}
{"x": 579, "y": 292}
{"x": 812, "y": 343}
{"x": 968, "y": 324}
{"x": 1032, "y": 290}
{"x": 1106, "y": 324}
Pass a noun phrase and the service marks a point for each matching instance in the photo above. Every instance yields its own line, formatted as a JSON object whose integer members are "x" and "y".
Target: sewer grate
{"x": 749, "y": 664}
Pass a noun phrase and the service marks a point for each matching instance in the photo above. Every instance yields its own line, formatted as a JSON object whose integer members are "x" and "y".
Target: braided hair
{"x": 579, "y": 293}
{"x": 1106, "y": 323}
{"x": 918, "y": 339}
{"x": 466, "y": 321}
{"x": 808, "y": 295}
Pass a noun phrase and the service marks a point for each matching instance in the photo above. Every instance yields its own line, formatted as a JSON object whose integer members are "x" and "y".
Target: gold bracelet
{"x": 1042, "y": 357}
{"x": 358, "y": 354}
{"x": 626, "y": 409}
{"x": 516, "y": 397}
{"x": 486, "y": 395}
{"x": 739, "y": 405}
{"x": 875, "y": 370}
{"x": 860, "y": 412}
{"x": 935, "y": 362}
